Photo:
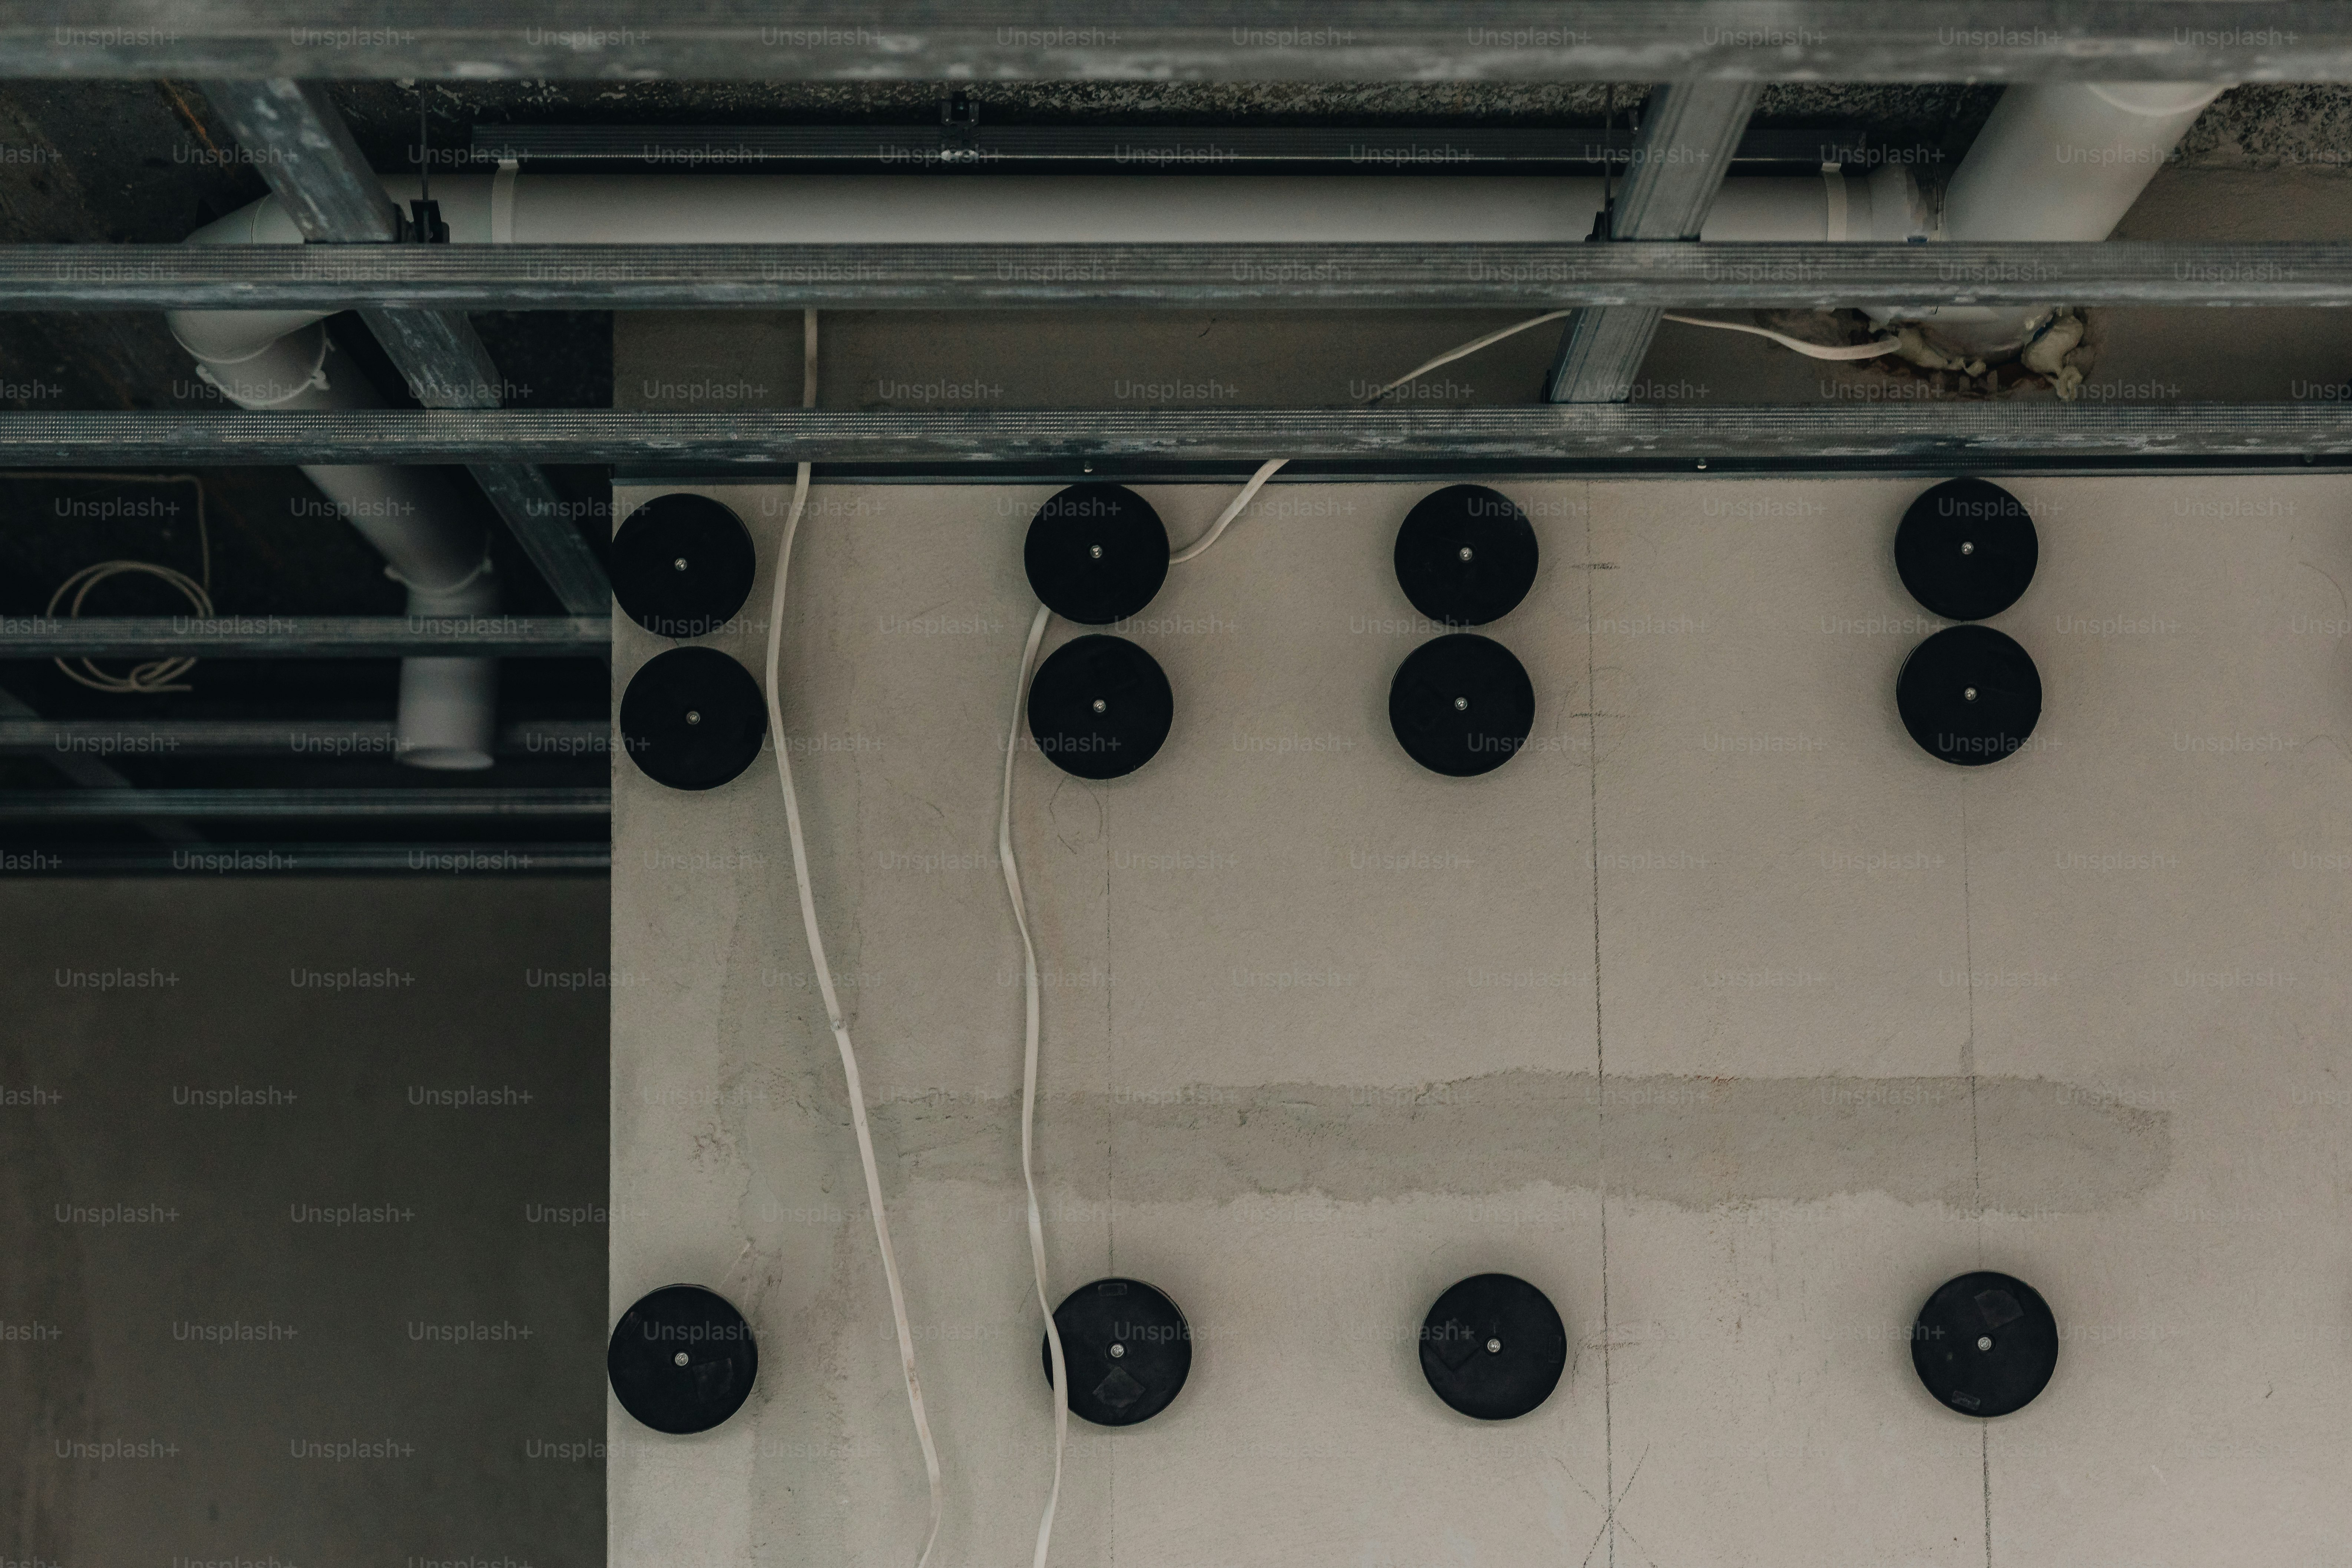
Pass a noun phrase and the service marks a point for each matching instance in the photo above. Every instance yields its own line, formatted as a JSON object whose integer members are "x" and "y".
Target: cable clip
{"x": 467, "y": 581}
{"x": 960, "y": 129}
{"x": 423, "y": 226}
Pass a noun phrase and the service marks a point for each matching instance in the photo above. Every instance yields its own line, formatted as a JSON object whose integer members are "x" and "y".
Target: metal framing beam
{"x": 86, "y": 767}
{"x": 303, "y": 637}
{"x": 1254, "y": 40}
{"x": 305, "y": 740}
{"x": 1123, "y": 148}
{"x": 1638, "y": 435}
{"x": 78, "y": 805}
{"x": 1688, "y": 132}
{"x": 525, "y": 859}
{"x": 306, "y": 154}
{"x": 1534, "y": 276}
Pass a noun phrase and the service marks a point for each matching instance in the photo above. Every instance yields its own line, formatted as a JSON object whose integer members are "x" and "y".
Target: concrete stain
{"x": 2038, "y": 1146}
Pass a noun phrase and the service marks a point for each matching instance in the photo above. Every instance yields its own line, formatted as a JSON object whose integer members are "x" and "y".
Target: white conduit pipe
{"x": 2056, "y": 161}
{"x": 852, "y": 1080}
{"x": 414, "y": 517}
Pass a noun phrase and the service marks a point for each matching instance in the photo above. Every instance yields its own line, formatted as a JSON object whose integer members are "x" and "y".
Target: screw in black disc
{"x": 1465, "y": 555}
{"x": 1969, "y": 695}
{"x": 1099, "y": 707}
{"x": 1494, "y": 1347}
{"x": 692, "y": 718}
{"x": 1096, "y": 553}
{"x": 1128, "y": 1347}
{"x": 1461, "y": 705}
{"x": 682, "y": 1359}
{"x": 682, "y": 565}
{"x": 1985, "y": 1344}
{"x": 1966, "y": 548}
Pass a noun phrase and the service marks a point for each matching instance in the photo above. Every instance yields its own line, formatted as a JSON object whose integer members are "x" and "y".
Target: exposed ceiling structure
{"x": 89, "y": 159}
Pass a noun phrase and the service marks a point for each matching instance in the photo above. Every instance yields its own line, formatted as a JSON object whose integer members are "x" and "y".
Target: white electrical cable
{"x": 158, "y": 674}
{"x": 1030, "y": 1003}
{"x": 1029, "y": 1083}
{"x": 824, "y": 971}
{"x": 1266, "y": 471}
{"x": 1812, "y": 351}
{"x": 1816, "y": 351}
{"x": 1232, "y": 510}
{"x": 1472, "y": 347}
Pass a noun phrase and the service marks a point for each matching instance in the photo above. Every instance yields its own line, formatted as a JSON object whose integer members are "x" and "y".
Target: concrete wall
{"x": 1724, "y": 1014}
{"x": 306, "y": 1304}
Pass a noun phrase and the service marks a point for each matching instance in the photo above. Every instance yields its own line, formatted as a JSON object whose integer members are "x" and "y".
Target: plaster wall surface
{"x": 1723, "y": 1014}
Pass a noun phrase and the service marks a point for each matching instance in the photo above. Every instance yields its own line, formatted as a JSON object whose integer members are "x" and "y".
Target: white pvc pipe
{"x": 976, "y": 209}
{"x": 848, "y": 209}
{"x": 2060, "y": 161}
{"x": 413, "y": 516}
{"x": 2067, "y": 160}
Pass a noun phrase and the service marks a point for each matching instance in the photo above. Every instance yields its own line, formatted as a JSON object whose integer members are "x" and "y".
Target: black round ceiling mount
{"x": 1129, "y": 1350}
{"x": 1970, "y": 695}
{"x": 692, "y": 718}
{"x": 1966, "y": 548}
{"x": 1494, "y": 1347}
{"x": 1099, "y": 707}
{"x": 1096, "y": 553}
{"x": 682, "y": 1359}
{"x": 1461, "y": 705}
{"x": 1985, "y": 1344}
{"x": 1465, "y": 555}
{"x": 682, "y": 565}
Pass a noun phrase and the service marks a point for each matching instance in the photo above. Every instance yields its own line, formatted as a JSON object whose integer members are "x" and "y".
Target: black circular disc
{"x": 1097, "y": 554}
{"x": 1099, "y": 707}
{"x": 692, "y": 718}
{"x": 1461, "y": 705}
{"x": 1494, "y": 1347}
{"x": 682, "y": 1359}
{"x": 1969, "y": 695}
{"x": 1985, "y": 1344}
{"x": 1128, "y": 1348}
{"x": 1966, "y": 548}
{"x": 682, "y": 565}
{"x": 1465, "y": 555}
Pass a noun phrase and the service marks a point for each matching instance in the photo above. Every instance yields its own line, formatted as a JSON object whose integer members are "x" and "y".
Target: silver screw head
{"x": 1984, "y": 1342}
{"x": 1117, "y": 1351}
{"x": 1494, "y": 1347}
{"x": 693, "y": 716}
{"x": 679, "y": 1358}
{"x": 1464, "y": 553}
{"x": 1095, "y": 551}
{"x": 1101, "y": 706}
{"x": 1461, "y": 705}
{"x": 1969, "y": 692}
{"x": 1967, "y": 547}
{"x": 678, "y": 564}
